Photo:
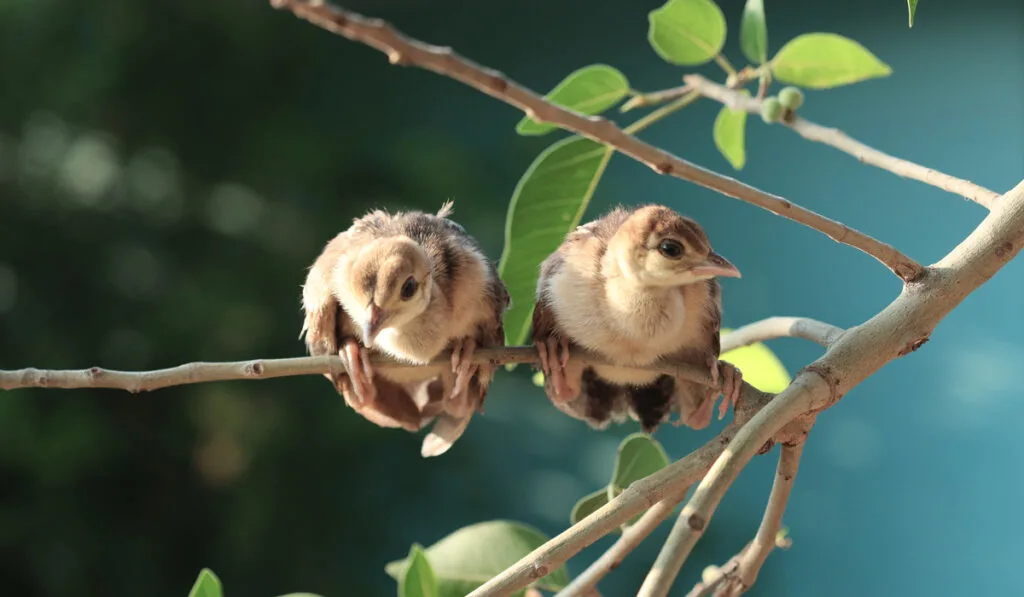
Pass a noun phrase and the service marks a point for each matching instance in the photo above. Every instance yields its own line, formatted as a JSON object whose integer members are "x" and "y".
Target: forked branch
{"x": 740, "y": 573}
{"x": 634, "y": 534}
{"x": 403, "y": 50}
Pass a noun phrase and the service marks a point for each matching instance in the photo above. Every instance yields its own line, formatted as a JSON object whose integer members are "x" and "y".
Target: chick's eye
{"x": 409, "y": 289}
{"x": 671, "y": 249}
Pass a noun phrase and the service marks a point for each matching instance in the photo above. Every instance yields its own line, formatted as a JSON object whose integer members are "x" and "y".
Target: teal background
{"x": 169, "y": 169}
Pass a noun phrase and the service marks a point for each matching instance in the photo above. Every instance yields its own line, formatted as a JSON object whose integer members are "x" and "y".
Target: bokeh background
{"x": 169, "y": 169}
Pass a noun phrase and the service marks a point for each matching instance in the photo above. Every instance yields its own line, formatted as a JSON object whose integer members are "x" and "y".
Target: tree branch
{"x": 190, "y": 373}
{"x": 841, "y": 141}
{"x": 690, "y": 525}
{"x": 639, "y": 496}
{"x": 781, "y": 327}
{"x": 403, "y": 50}
{"x": 771, "y": 328}
{"x": 740, "y": 573}
{"x": 899, "y": 329}
{"x": 766, "y": 539}
{"x": 585, "y": 582}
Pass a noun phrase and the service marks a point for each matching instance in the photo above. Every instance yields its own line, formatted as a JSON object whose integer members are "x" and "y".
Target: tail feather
{"x": 442, "y": 436}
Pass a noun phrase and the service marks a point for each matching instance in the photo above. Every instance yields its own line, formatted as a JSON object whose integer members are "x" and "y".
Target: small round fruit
{"x": 771, "y": 110}
{"x": 791, "y": 98}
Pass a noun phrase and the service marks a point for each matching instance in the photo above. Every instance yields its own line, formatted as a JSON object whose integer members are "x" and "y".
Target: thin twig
{"x": 766, "y": 539}
{"x": 843, "y": 142}
{"x": 190, "y": 373}
{"x": 781, "y": 327}
{"x": 649, "y": 99}
{"x": 630, "y": 539}
{"x": 740, "y": 572}
{"x": 403, "y": 50}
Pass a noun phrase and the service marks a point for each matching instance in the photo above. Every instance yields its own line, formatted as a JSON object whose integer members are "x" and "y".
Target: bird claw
{"x": 731, "y": 384}
{"x": 360, "y": 372}
{"x": 553, "y": 354}
{"x": 464, "y": 368}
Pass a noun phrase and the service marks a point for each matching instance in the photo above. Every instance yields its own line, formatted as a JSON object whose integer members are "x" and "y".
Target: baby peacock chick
{"x": 634, "y": 286}
{"x": 408, "y": 285}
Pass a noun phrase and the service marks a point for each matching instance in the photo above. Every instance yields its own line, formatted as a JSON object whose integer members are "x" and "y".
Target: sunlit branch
{"x": 191, "y": 373}
{"x": 630, "y": 539}
{"x": 781, "y": 327}
{"x": 403, "y": 50}
{"x": 740, "y": 573}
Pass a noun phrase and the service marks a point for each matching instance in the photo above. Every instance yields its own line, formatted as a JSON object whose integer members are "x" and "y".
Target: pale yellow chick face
{"x": 657, "y": 246}
{"x": 391, "y": 279}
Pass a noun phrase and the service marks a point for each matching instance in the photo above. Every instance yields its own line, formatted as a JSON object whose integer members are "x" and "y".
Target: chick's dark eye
{"x": 671, "y": 249}
{"x": 409, "y": 289}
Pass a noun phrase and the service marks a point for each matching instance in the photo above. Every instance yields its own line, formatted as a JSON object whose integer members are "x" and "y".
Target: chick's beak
{"x": 718, "y": 266}
{"x": 374, "y": 319}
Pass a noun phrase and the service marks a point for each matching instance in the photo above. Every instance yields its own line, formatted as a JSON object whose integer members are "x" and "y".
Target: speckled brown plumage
{"x": 613, "y": 289}
{"x": 355, "y": 305}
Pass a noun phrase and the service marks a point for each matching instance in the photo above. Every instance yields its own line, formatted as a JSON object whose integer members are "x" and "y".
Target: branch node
{"x": 696, "y": 522}
{"x": 254, "y": 369}
{"x": 539, "y": 570}
{"x": 913, "y": 345}
{"x": 1004, "y": 251}
{"x": 910, "y": 272}
{"x": 767, "y": 447}
{"x": 498, "y": 83}
{"x": 825, "y": 373}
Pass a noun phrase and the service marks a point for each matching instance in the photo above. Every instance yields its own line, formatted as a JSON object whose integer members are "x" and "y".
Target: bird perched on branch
{"x": 408, "y": 285}
{"x": 635, "y": 286}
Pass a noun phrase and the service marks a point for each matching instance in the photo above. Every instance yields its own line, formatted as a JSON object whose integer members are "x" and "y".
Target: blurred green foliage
{"x": 167, "y": 172}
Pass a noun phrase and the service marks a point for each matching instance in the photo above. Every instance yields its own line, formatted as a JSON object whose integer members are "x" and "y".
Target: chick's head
{"x": 660, "y": 247}
{"x": 392, "y": 279}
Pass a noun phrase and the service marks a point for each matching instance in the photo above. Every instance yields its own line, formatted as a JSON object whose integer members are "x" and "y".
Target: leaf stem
{"x": 662, "y": 112}
{"x": 641, "y": 100}
{"x": 725, "y": 64}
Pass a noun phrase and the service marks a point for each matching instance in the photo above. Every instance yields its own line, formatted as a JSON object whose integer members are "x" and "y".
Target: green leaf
{"x": 588, "y": 505}
{"x": 207, "y": 585}
{"x": 730, "y": 134}
{"x": 754, "y": 32}
{"x": 419, "y": 579}
{"x": 912, "y": 8}
{"x": 687, "y": 32}
{"x": 472, "y": 555}
{"x": 589, "y": 90}
{"x": 824, "y": 60}
{"x": 301, "y": 595}
{"x": 760, "y": 367}
{"x": 546, "y": 205}
{"x": 639, "y": 455}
